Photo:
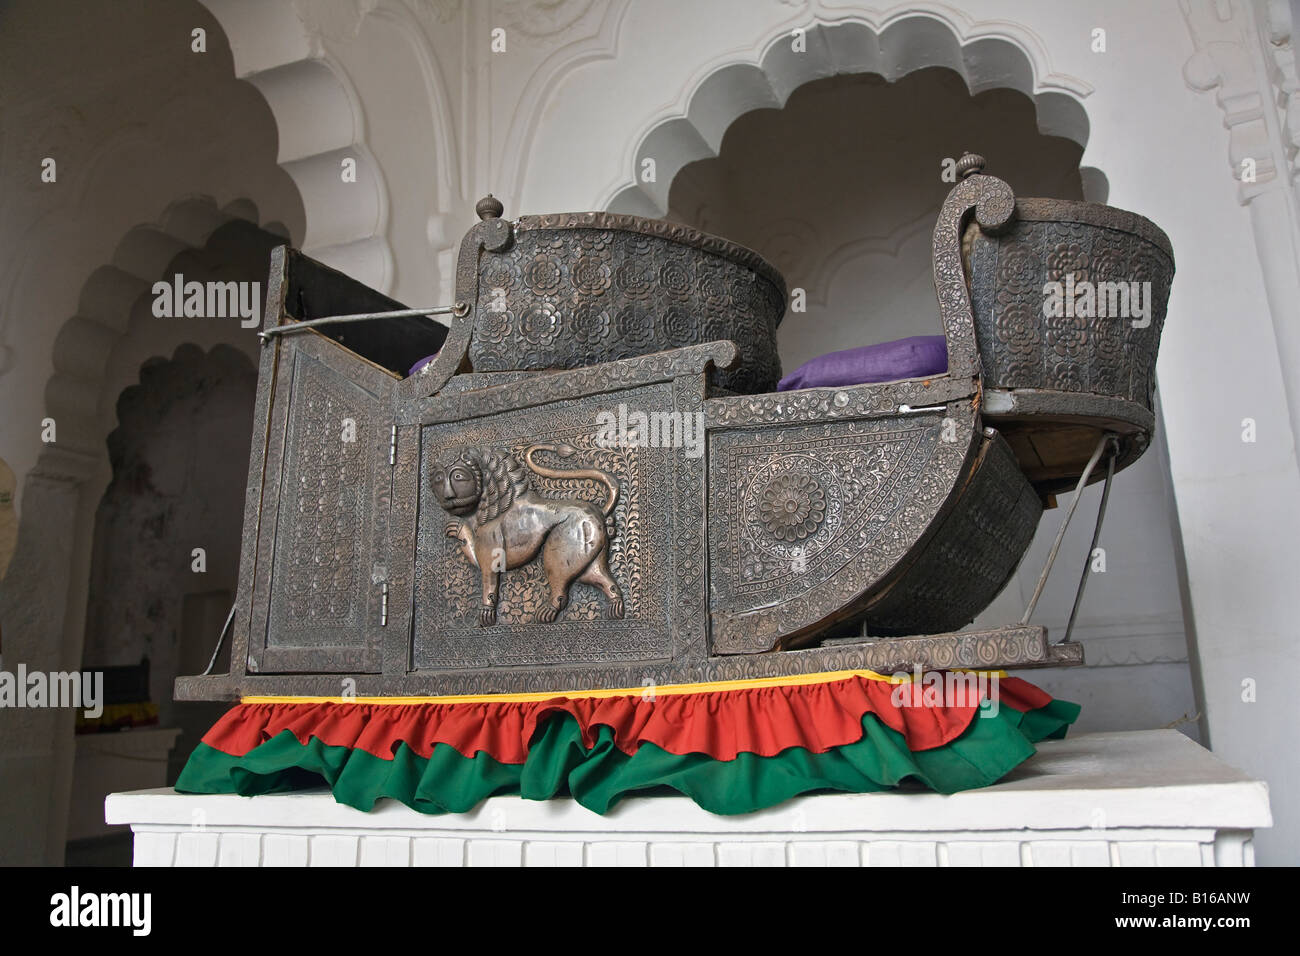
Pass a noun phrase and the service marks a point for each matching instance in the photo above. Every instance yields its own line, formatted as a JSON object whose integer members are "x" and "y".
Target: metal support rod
{"x": 221, "y": 639}
{"x": 356, "y": 317}
{"x": 1096, "y": 535}
{"x": 1060, "y": 535}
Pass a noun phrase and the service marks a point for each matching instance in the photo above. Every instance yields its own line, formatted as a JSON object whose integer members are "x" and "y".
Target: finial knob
{"x": 969, "y": 164}
{"x": 489, "y": 207}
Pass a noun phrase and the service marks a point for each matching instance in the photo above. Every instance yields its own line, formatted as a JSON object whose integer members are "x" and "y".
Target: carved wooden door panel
{"x": 544, "y": 464}
{"x": 809, "y": 517}
{"x": 320, "y": 598}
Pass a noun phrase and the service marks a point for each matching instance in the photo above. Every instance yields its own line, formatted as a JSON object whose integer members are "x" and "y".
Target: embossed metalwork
{"x": 1085, "y": 364}
{"x": 449, "y": 632}
{"x": 1021, "y": 647}
{"x": 884, "y": 480}
{"x": 485, "y": 533}
{"x": 971, "y": 556}
{"x": 320, "y": 564}
{"x": 993, "y": 204}
{"x": 512, "y": 526}
{"x": 1097, "y": 354}
{"x": 577, "y": 290}
{"x": 535, "y": 389}
{"x": 792, "y": 506}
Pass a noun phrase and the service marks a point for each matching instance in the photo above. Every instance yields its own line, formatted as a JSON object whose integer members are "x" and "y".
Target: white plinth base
{"x": 1116, "y": 799}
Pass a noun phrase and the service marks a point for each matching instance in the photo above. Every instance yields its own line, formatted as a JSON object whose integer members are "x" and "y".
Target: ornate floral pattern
{"x": 636, "y": 326}
{"x": 1018, "y": 272}
{"x": 595, "y": 240}
{"x": 713, "y": 288}
{"x": 1017, "y": 325}
{"x": 678, "y": 324}
{"x": 675, "y": 277}
{"x": 543, "y": 274}
{"x": 500, "y": 273}
{"x": 591, "y": 276}
{"x": 575, "y": 295}
{"x": 325, "y": 536}
{"x": 1067, "y": 259}
{"x": 1021, "y": 346}
{"x": 495, "y": 327}
{"x": 635, "y": 279}
{"x": 540, "y": 324}
{"x": 1067, "y": 335}
{"x": 1069, "y": 375}
{"x": 741, "y": 297}
{"x": 590, "y": 323}
{"x": 792, "y": 506}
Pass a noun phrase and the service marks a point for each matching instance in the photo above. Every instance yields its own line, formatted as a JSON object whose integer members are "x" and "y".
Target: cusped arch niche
{"x": 848, "y": 220}
{"x": 116, "y": 298}
{"x": 986, "y": 56}
{"x": 179, "y": 459}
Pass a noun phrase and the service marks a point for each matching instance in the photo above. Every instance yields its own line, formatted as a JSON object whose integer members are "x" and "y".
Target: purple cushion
{"x": 419, "y": 366}
{"x": 914, "y": 357}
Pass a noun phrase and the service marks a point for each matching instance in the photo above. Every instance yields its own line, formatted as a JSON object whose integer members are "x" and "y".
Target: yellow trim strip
{"x": 796, "y": 680}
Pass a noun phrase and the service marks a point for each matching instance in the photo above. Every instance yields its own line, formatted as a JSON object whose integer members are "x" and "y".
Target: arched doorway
{"x": 165, "y": 536}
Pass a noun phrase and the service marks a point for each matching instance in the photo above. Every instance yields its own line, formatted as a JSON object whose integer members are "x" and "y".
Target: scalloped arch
{"x": 107, "y": 302}
{"x": 987, "y": 55}
{"x": 320, "y": 122}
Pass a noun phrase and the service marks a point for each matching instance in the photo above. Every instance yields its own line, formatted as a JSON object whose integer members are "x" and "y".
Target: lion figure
{"x": 511, "y": 524}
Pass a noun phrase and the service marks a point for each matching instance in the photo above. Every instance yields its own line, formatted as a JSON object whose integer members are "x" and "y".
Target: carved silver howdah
{"x": 594, "y": 485}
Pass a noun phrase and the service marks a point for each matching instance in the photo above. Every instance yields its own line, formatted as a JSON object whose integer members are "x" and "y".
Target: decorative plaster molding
{"x": 447, "y": 160}
{"x": 1225, "y": 61}
{"x": 1245, "y": 55}
{"x": 986, "y": 54}
{"x": 793, "y": 245}
{"x": 892, "y": 245}
{"x": 537, "y": 92}
{"x": 799, "y": 252}
{"x": 440, "y": 11}
{"x": 59, "y": 128}
{"x": 85, "y": 342}
{"x": 1279, "y": 43}
{"x": 544, "y": 19}
{"x": 128, "y": 137}
{"x": 277, "y": 47}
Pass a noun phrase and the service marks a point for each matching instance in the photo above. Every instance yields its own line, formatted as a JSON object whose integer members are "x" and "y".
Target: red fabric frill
{"x": 722, "y": 723}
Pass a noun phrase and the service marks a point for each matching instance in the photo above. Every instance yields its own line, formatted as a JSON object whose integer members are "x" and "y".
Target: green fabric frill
{"x": 559, "y": 765}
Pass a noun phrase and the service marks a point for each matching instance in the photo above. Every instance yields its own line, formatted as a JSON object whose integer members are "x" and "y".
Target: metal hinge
{"x": 392, "y": 447}
{"x": 383, "y": 605}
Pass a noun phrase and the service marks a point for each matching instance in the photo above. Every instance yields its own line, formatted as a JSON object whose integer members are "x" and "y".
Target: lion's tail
{"x": 568, "y": 451}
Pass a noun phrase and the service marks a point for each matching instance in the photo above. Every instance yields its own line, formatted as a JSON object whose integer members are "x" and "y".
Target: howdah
{"x": 483, "y": 534}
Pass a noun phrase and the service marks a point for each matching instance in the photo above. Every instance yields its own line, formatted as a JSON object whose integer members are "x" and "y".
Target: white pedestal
{"x": 1116, "y": 799}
